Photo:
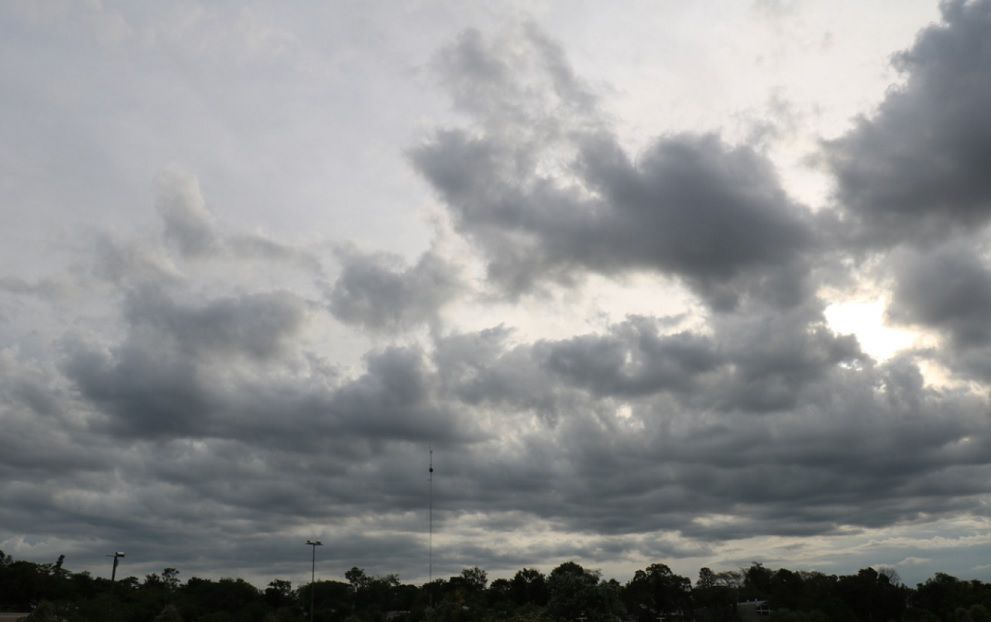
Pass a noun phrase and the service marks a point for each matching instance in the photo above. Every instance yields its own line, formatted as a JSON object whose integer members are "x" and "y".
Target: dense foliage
{"x": 568, "y": 593}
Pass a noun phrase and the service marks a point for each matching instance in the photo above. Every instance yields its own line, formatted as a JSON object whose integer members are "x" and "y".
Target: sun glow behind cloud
{"x": 865, "y": 319}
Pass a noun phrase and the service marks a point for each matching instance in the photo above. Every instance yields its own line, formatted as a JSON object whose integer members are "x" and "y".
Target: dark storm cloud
{"x": 696, "y": 207}
{"x": 949, "y": 289}
{"x": 915, "y": 173}
{"x": 199, "y": 371}
{"x": 153, "y": 382}
{"x": 787, "y": 430}
{"x": 256, "y": 325}
{"x": 36, "y": 410}
{"x": 918, "y": 166}
{"x": 660, "y": 468}
{"x": 632, "y": 360}
{"x": 690, "y": 205}
{"x": 380, "y": 293}
{"x": 775, "y": 357}
{"x": 396, "y": 399}
{"x": 220, "y": 457}
{"x": 756, "y": 361}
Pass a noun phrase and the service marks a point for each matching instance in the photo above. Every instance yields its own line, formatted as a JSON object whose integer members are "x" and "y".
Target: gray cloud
{"x": 755, "y": 361}
{"x": 157, "y": 381}
{"x": 841, "y": 443}
{"x": 690, "y": 205}
{"x": 695, "y": 438}
{"x": 396, "y": 399}
{"x": 532, "y": 433}
{"x": 204, "y": 419}
{"x": 632, "y": 360}
{"x": 188, "y": 224}
{"x": 200, "y": 371}
{"x": 520, "y": 81}
{"x": 949, "y": 289}
{"x": 256, "y": 325}
{"x": 918, "y": 166}
{"x": 913, "y": 174}
{"x": 380, "y": 293}
{"x": 775, "y": 357}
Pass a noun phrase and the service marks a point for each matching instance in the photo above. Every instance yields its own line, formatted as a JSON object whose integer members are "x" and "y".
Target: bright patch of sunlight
{"x": 865, "y": 320}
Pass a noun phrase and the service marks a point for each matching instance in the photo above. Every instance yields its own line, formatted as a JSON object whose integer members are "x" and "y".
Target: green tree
{"x": 655, "y": 591}
{"x": 574, "y": 592}
{"x": 786, "y": 590}
{"x": 707, "y": 579}
{"x": 529, "y": 586}
{"x": 357, "y": 578}
{"x": 870, "y": 596}
{"x": 756, "y": 582}
{"x": 475, "y": 578}
{"x": 278, "y": 593}
{"x": 714, "y": 596}
{"x": 170, "y": 577}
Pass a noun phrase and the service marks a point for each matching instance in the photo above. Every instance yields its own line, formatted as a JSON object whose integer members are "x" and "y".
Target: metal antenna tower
{"x": 430, "y": 519}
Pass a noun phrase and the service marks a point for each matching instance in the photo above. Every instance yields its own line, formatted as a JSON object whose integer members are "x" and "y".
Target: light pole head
{"x": 119, "y": 554}
{"x": 314, "y": 543}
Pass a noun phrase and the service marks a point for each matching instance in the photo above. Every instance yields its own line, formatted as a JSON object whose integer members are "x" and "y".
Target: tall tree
{"x": 656, "y": 591}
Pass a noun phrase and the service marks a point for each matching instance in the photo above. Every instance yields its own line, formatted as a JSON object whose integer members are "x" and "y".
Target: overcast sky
{"x": 696, "y": 283}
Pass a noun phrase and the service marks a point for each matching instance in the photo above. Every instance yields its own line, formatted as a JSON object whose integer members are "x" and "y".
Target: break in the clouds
{"x": 619, "y": 350}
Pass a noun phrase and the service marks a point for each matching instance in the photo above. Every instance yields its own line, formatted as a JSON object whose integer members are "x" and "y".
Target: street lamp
{"x": 117, "y": 555}
{"x": 113, "y": 577}
{"x": 313, "y": 572}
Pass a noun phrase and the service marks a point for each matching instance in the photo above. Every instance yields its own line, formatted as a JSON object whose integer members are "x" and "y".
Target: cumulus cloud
{"x": 544, "y": 188}
{"x": 640, "y": 439}
{"x": 917, "y": 167}
{"x": 204, "y": 371}
{"x": 633, "y": 359}
{"x": 795, "y": 436}
{"x": 948, "y": 288}
{"x": 188, "y": 224}
{"x": 911, "y": 184}
{"x": 378, "y": 292}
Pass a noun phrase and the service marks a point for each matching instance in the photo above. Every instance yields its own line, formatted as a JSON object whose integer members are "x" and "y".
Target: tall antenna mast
{"x": 430, "y": 519}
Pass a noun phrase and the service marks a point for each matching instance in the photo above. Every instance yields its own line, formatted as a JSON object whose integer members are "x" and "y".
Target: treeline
{"x": 569, "y": 593}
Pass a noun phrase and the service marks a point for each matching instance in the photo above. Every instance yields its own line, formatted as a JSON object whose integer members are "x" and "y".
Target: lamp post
{"x": 113, "y": 578}
{"x": 313, "y": 572}
{"x": 113, "y": 574}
